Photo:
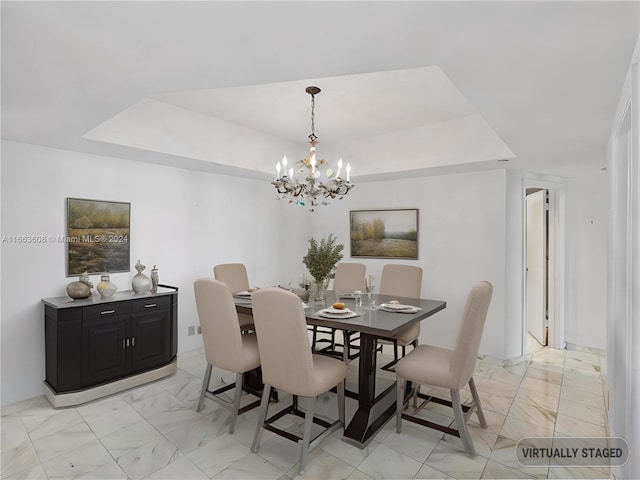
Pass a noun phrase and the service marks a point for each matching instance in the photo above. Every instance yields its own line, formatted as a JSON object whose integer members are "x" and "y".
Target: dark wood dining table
{"x": 373, "y": 409}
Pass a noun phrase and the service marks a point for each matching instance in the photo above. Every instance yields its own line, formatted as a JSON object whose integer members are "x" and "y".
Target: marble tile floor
{"x": 154, "y": 432}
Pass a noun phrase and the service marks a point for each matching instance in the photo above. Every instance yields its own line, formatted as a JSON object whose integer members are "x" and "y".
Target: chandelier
{"x": 310, "y": 180}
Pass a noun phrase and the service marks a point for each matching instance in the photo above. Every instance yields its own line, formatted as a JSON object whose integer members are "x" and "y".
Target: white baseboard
{"x": 582, "y": 348}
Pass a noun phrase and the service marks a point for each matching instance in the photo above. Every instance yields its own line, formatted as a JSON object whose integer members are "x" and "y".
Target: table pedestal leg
{"x": 373, "y": 412}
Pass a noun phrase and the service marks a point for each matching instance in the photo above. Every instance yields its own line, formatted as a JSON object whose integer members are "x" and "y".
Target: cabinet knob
{"x": 151, "y": 305}
{"x": 107, "y": 312}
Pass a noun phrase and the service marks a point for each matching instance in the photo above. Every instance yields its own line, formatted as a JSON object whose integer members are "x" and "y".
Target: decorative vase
{"x": 81, "y": 288}
{"x": 77, "y": 290}
{"x": 319, "y": 289}
{"x": 105, "y": 287}
{"x": 140, "y": 283}
{"x": 154, "y": 279}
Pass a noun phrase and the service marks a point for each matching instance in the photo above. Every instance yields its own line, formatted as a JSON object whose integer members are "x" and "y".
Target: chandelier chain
{"x": 313, "y": 136}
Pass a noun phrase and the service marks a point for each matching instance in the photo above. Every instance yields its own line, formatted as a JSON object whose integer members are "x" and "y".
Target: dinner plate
{"x": 399, "y": 308}
{"x": 337, "y": 311}
{"x": 243, "y": 301}
{"x": 348, "y": 295}
{"x": 331, "y": 313}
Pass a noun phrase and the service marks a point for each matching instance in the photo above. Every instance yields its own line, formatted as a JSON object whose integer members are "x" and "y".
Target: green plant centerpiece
{"x": 321, "y": 260}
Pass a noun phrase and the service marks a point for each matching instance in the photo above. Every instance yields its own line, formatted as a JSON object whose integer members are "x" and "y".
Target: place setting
{"x": 337, "y": 311}
{"x": 245, "y": 295}
{"x": 396, "y": 307}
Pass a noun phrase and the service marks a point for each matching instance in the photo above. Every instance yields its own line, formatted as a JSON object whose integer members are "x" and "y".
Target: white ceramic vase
{"x": 105, "y": 287}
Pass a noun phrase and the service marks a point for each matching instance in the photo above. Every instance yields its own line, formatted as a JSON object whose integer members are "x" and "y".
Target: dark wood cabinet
{"x": 98, "y": 346}
{"x": 150, "y": 339}
{"x": 104, "y": 355}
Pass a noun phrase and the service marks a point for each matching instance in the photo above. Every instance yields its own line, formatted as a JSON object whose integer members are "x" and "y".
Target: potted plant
{"x": 321, "y": 260}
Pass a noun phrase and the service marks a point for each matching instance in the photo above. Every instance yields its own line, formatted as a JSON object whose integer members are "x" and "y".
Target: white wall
{"x": 587, "y": 200}
{"x": 183, "y": 221}
{"x": 623, "y": 274}
{"x": 461, "y": 241}
{"x": 186, "y": 221}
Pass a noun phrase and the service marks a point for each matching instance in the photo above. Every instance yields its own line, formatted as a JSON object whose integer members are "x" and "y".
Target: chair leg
{"x": 306, "y": 438}
{"x": 236, "y": 402}
{"x": 262, "y": 415}
{"x": 345, "y": 348}
{"x": 205, "y": 385}
{"x": 341, "y": 389}
{"x": 460, "y": 423}
{"x": 476, "y": 401}
{"x": 400, "y": 386}
{"x": 389, "y": 366}
{"x": 416, "y": 392}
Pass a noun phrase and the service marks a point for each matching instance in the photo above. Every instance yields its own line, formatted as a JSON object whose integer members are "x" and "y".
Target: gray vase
{"x": 140, "y": 283}
{"x": 154, "y": 278}
{"x": 77, "y": 290}
{"x": 81, "y": 288}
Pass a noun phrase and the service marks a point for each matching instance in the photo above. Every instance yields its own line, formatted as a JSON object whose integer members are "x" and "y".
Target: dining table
{"x": 372, "y": 322}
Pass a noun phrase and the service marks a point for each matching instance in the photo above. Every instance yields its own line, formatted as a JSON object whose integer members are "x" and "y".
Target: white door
{"x": 536, "y": 278}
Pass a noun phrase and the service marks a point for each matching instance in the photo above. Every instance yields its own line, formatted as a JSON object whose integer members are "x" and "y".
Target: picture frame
{"x": 97, "y": 236}
{"x": 384, "y": 233}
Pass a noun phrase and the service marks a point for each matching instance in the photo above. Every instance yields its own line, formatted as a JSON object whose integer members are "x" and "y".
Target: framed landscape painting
{"x": 384, "y": 233}
{"x": 97, "y": 236}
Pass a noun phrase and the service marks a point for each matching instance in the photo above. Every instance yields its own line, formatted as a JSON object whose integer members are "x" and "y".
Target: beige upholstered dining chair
{"x": 225, "y": 346}
{"x": 289, "y": 365}
{"x": 349, "y": 277}
{"x": 401, "y": 281}
{"x": 236, "y": 278}
{"x": 451, "y": 369}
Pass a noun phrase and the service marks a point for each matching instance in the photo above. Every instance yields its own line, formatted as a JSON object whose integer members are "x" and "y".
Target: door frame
{"x": 530, "y": 324}
{"x": 556, "y": 268}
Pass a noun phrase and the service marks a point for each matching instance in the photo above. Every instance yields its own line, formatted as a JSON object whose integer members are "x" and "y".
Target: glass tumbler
{"x": 357, "y": 295}
{"x": 371, "y": 285}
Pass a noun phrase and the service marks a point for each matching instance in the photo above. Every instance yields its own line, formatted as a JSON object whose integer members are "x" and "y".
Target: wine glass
{"x": 371, "y": 285}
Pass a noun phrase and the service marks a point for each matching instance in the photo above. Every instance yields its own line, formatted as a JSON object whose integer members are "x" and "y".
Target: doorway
{"x": 537, "y": 267}
{"x": 555, "y": 264}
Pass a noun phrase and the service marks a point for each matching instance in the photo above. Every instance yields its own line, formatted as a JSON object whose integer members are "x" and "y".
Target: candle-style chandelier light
{"x": 311, "y": 182}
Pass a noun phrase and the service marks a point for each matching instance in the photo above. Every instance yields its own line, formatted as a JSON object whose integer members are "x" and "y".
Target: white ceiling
{"x": 349, "y": 106}
{"x": 443, "y": 83}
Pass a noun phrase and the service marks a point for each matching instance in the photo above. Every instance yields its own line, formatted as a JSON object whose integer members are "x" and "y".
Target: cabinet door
{"x": 150, "y": 339}
{"x": 104, "y": 349}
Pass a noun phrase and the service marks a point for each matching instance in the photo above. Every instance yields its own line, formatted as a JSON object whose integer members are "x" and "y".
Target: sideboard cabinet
{"x": 99, "y": 346}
